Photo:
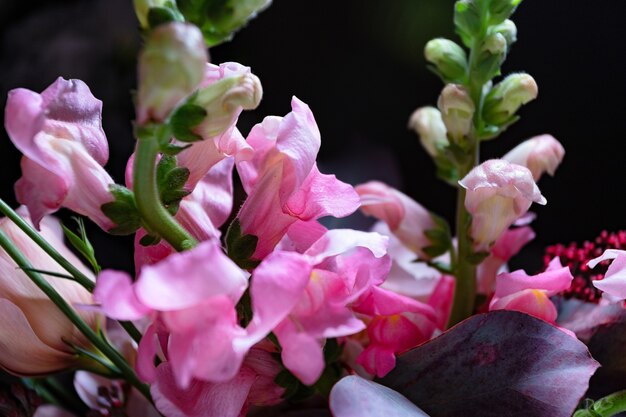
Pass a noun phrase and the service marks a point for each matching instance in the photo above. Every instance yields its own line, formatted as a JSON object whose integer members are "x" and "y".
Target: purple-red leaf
{"x": 607, "y": 347}
{"x": 502, "y": 363}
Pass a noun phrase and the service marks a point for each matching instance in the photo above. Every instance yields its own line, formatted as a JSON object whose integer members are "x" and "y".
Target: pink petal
{"x": 277, "y": 284}
{"x": 116, "y": 293}
{"x": 338, "y": 241}
{"x": 614, "y": 281}
{"x": 553, "y": 280}
{"x": 530, "y": 301}
{"x": 146, "y": 352}
{"x": 301, "y": 354}
{"x": 201, "y": 399}
{"x": 185, "y": 279}
{"x": 377, "y": 360}
{"x": 301, "y": 235}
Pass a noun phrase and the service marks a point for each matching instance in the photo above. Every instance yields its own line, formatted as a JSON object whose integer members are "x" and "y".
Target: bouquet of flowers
{"x": 259, "y": 309}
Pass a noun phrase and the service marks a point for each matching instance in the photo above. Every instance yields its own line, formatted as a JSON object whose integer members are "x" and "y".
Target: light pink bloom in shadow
{"x": 539, "y": 154}
{"x": 406, "y": 218}
{"x": 505, "y": 247}
{"x": 519, "y": 291}
{"x": 283, "y": 182}
{"x": 498, "y": 193}
{"x": 60, "y": 134}
{"x": 614, "y": 282}
{"x": 35, "y": 334}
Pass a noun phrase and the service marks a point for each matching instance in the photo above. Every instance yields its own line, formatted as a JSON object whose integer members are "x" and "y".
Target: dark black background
{"x": 359, "y": 65}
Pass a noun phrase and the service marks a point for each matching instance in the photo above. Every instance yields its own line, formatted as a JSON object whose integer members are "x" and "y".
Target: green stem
{"x": 156, "y": 218}
{"x": 102, "y": 345}
{"x": 606, "y": 407}
{"x": 465, "y": 271}
{"x": 30, "y": 231}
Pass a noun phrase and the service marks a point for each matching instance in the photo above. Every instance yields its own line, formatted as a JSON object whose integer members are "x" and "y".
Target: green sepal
{"x": 439, "y": 237}
{"x": 122, "y": 211}
{"x": 161, "y": 15}
{"x": 477, "y": 257}
{"x": 500, "y": 10}
{"x": 185, "y": 118}
{"x": 173, "y": 150}
{"x": 82, "y": 244}
{"x": 170, "y": 181}
{"x": 490, "y": 132}
{"x": 446, "y": 170}
{"x": 240, "y": 247}
{"x": 467, "y": 19}
{"x": 219, "y": 19}
{"x": 149, "y": 240}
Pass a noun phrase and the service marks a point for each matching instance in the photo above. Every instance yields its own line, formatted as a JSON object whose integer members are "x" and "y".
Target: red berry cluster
{"x": 576, "y": 257}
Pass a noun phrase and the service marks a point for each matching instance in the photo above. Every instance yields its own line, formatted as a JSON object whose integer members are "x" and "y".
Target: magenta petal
{"x": 185, "y": 279}
{"x": 115, "y": 292}
{"x": 555, "y": 279}
{"x": 201, "y": 399}
{"x": 146, "y": 352}
{"x": 354, "y": 396}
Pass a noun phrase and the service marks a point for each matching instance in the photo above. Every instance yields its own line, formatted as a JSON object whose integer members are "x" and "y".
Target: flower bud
{"x": 499, "y": 10}
{"x": 428, "y": 124}
{"x": 35, "y": 334}
{"x": 449, "y": 59}
{"x": 224, "y": 100}
{"x": 508, "y": 30}
{"x": 171, "y": 66}
{"x": 467, "y": 19}
{"x": 540, "y": 154}
{"x": 457, "y": 110}
{"x": 498, "y": 193}
{"x": 507, "y": 97}
{"x": 495, "y": 44}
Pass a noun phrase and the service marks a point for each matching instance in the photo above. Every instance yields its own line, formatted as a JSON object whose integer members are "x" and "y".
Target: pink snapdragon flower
{"x": 498, "y": 193}
{"x": 539, "y": 154}
{"x": 191, "y": 299}
{"x": 406, "y": 218}
{"x": 614, "y": 281}
{"x": 283, "y": 182}
{"x": 504, "y": 248}
{"x": 60, "y": 134}
{"x": 344, "y": 264}
{"x": 398, "y": 323}
{"x": 518, "y": 291}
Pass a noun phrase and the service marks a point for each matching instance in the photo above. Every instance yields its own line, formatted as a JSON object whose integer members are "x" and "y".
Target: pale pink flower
{"x": 283, "y": 182}
{"x": 35, "y": 334}
{"x": 498, "y": 193}
{"x": 614, "y": 281}
{"x": 406, "y": 218}
{"x": 539, "y": 154}
{"x": 504, "y": 248}
{"x": 60, "y": 134}
{"x": 518, "y": 291}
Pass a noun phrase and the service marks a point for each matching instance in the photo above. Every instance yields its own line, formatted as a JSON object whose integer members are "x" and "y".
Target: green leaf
{"x": 122, "y": 211}
{"x": 439, "y": 237}
{"x": 171, "y": 180}
{"x": 240, "y": 248}
{"x": 81, "y": 243}
{"x": 185, "y": 118}
{"x": 219, "y": 19}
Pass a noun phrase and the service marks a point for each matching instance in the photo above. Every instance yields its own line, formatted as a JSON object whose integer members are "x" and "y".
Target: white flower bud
{"x": 539, "y": 154}
{"x": 428, "y": 124}
{"x": 457, "y": 110}
{"x": 507, "y": 97}
{"x": 508, "y": 30}
{"x": 448, "y": 58}
{"x": 171, "y": 66}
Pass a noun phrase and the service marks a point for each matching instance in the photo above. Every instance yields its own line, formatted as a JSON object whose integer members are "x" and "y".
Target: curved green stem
{"x": 102, "y": 345}
{"x": 605, "y": 407}
{"x": 153, "y": 214}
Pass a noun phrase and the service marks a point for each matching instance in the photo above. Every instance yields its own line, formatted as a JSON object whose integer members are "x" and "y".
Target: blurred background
{"x": 359, "y": 65}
